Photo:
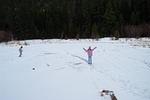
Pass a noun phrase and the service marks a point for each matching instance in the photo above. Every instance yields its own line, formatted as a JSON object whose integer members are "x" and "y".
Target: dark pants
{"x": 20, "y": 54}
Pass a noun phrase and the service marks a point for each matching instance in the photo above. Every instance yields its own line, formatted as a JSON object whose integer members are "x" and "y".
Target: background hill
{"x": 42, "y": 19}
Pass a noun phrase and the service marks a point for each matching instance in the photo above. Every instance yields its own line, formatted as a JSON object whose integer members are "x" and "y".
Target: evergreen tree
{"x": 30, "y": 19}
{"x": 110, "y": 19}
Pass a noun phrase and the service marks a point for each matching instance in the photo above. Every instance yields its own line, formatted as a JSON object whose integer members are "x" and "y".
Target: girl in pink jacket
{"x": 89, "y": 52}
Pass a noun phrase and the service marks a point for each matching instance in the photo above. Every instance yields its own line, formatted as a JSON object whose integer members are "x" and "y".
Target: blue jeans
{"x": 89, "y": 59}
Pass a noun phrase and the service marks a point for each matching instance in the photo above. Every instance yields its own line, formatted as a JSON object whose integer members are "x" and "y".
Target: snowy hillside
{"x": 62, "y": 73}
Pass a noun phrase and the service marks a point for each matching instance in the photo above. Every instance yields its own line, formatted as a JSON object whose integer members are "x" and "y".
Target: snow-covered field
{"x": 62, "y": 73}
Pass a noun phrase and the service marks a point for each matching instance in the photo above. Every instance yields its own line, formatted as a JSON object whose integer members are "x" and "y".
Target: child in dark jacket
{"x": 20, "y": 51}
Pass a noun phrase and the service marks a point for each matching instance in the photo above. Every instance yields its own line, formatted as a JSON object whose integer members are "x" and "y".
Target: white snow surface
{"x": 62, "y": 73}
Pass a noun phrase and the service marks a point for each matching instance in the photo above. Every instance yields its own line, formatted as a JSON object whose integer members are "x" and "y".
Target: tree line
{"x": 32, "y": 19}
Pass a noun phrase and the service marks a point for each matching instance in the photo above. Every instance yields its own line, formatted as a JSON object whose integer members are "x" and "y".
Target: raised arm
{"x": 84, "y": 49}
{"x": 94, "y": 48}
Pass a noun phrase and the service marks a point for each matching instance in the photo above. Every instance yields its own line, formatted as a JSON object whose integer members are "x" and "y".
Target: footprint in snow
{"x": 77, "y": 63}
